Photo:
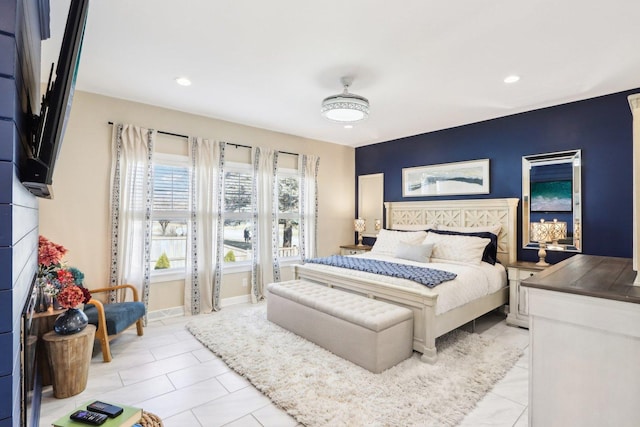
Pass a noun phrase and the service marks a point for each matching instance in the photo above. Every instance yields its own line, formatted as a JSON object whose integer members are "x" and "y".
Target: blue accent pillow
{"x": 490, "y": 253}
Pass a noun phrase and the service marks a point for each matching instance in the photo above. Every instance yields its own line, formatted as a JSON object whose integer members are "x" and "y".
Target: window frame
{"x": 172, "y": 274}
{"x": 237, "y": 266}
{"x": 291, "y": 173}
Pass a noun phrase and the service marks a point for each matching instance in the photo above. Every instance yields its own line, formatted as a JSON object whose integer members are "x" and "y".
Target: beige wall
{"x": 78, "y": 215}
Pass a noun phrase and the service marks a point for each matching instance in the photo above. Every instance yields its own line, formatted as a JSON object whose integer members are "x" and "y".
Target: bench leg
{"x": 429, "y": 356}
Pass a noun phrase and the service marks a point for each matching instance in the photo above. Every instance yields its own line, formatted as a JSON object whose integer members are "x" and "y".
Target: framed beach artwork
{"x": 446, "y": 179}
{"x": 551, "y": 196}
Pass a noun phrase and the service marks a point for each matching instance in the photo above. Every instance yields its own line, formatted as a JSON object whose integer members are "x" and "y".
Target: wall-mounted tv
{"x": 49, "y": 127}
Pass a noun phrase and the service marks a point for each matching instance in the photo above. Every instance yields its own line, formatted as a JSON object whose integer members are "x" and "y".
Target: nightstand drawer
{"x": 525, "y": 274}
{"x": 354, "y": 249}
{"x": 350, "y": 252}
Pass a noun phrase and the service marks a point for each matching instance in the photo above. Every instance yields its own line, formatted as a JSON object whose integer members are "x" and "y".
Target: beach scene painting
{"x": 551, "y": 196}
{"x": 446, "y": 179}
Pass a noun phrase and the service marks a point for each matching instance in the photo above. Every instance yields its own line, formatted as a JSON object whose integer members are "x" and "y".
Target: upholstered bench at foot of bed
{"x": 370, "y": 333}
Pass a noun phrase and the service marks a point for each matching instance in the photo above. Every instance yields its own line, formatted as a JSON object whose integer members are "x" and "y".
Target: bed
{"x": 431, "y": 319}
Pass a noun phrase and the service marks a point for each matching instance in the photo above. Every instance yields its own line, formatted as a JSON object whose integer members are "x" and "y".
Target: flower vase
{"x": 43, "y": 301}
{"x": 70, "y": 322}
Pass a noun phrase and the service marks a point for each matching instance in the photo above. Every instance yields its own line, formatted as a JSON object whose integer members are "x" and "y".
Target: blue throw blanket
{"x": 429, "y": 277}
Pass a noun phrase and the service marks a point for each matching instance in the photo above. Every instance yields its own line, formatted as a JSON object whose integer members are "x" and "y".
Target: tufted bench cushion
{"x": 371, "y": 333}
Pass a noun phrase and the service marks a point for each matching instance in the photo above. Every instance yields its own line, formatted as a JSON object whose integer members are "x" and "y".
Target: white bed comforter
{"x": 472, "y": 281}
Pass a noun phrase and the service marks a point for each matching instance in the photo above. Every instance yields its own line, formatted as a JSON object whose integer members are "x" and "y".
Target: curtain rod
{"x": 228, "y": 143}
{"x": 166, "y": 133}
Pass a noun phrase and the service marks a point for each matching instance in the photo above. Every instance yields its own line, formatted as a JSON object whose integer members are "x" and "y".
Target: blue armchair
{"x": 113, "y": 318}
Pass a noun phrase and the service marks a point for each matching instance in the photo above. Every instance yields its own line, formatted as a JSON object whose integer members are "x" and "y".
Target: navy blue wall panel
{"x": 8, "y": 98}
{"x": 7, "y": 134}
{"x": 7, "y": 55}
{"x": 19, "y": 85}
{"x": 8, "y": 16}
{"x": 601, "y": 127}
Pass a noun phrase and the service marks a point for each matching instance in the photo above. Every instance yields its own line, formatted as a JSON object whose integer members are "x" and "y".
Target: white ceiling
{"x": 424, "y": 65}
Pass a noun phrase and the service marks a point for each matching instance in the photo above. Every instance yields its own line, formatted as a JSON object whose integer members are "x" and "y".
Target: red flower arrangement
{"x": 70, "y": 296}
{"x": 49, "y": 254}
{"x": 57, "y": 280}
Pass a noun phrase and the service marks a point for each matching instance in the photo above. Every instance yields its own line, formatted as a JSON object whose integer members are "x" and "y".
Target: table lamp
{"x": 359, "y": 225}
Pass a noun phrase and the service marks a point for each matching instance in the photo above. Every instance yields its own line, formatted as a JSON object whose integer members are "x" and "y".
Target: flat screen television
{"x": 49, "y": 127}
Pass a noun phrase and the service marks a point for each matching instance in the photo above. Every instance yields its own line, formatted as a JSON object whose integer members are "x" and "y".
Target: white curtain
{"x": 308, "y": 168}
{"x": 202, "y": 284}
{"x": 131, "y": 201}
{"x": 265, "y": 268}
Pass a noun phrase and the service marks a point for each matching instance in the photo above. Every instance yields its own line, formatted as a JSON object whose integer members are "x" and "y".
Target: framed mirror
{"x": 552, "y": 201}
{"x": 371, "y": 202}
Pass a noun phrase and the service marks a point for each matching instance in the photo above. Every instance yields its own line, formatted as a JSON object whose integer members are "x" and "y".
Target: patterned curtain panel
{"x": 131, "y": 200}
{"x": 205, "y": 255}
{"x": 308, "y": 168}
{"x": 266, "y": 267}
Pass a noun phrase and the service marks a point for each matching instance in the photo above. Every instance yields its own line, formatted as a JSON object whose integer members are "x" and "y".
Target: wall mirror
{"x": 552, "y": 201}
{"x": 371, "y": 202}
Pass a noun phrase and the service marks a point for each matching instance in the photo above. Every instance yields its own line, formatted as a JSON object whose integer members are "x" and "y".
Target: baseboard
{"x": 242, "y": 299}
{"x": 167, "y": 313}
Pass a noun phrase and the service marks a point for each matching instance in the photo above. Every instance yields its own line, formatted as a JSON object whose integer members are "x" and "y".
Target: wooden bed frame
{"x": 463, "y": 213}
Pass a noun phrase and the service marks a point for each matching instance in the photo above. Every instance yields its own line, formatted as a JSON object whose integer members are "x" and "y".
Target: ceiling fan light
{"x": 345, "y": 107}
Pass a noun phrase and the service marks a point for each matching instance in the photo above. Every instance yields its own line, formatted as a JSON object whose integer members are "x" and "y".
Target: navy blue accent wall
{"x": 19, "y": 88}
{"x": 601, "y": 127}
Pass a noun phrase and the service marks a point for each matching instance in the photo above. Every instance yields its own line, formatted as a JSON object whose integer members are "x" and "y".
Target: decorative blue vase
{"x": 70, "y": 322}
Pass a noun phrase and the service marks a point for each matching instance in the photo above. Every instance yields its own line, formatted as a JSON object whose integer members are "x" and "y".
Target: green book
{"x": 129, "y": 416}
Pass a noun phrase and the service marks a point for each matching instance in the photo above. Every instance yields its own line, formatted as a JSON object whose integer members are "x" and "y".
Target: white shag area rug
{"x": 319, "y": 388}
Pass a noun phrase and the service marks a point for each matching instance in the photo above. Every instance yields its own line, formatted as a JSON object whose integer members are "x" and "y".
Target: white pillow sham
{"x": 418, "y": 253}
{"x": 467, "y": 249}
{"x": 495, "y": 229}
{"x": 387, "y": 240}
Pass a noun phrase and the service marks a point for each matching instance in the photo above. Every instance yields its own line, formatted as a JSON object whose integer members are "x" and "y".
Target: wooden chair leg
{"x": 139, "y": 327}
{"x": 104, "y": 345}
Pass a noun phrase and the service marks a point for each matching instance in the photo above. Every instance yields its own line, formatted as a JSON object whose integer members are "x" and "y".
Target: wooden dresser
{"x": 584, "y": 367}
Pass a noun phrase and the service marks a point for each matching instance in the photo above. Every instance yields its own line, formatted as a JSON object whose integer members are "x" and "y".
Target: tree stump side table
{"x": 69, "y": 359}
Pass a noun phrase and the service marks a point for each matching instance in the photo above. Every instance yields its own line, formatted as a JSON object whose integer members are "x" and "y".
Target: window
{"x": 238, "y": 224}
{"x": 170, "y": 215}
{"x": 288, "y": 213}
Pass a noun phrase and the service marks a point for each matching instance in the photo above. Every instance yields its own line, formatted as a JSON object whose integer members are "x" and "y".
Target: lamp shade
{"x": 558, "y": 230}
{"x": 359, "y": 225}
{"x": 544, "y": 231}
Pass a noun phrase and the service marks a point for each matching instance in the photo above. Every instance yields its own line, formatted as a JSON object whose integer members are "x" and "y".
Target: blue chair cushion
{"x": 118, "y": 315}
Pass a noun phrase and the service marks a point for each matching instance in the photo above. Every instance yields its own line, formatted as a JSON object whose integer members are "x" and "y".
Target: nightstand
{"x": 518, "y": 299}
{"x": 354, "y": 249}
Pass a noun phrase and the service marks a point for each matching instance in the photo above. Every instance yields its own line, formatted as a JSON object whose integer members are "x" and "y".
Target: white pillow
{"x": 495, "y": 229}
{"x": 467, "y": 249}
{"x": 418, "y": 253}
{"x": 387, "y": 240}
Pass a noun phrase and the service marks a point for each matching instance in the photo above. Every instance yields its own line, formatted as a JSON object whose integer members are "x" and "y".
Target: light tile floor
{"x": 169, "y": 373}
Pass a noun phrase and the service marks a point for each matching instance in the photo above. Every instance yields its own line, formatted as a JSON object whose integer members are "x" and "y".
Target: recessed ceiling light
{"x": 183, "y": 81}
{"x": 511, "y": 79}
